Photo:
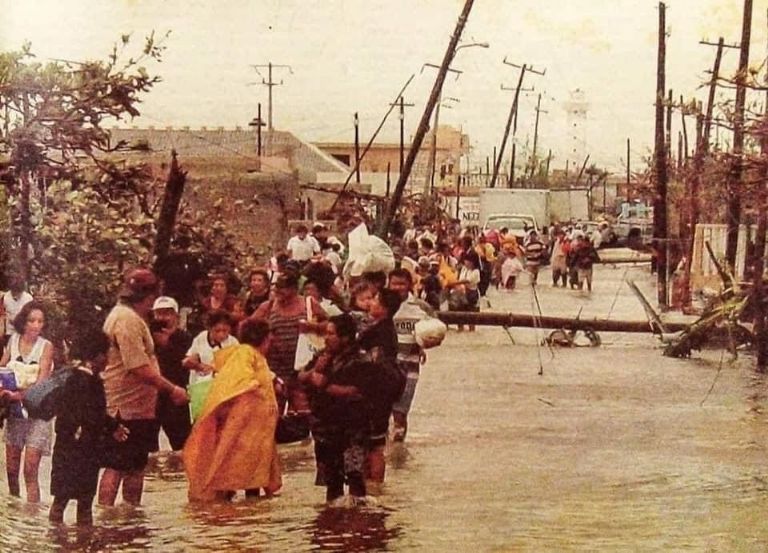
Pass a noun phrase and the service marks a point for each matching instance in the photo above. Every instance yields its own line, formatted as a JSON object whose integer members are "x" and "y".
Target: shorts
{"x": 31, "y": 433}
{"x": 132, "y": 454}
{"x": 403, "y": 405}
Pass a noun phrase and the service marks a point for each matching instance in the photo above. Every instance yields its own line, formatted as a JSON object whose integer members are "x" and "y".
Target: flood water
{"x": 613, "y": 448}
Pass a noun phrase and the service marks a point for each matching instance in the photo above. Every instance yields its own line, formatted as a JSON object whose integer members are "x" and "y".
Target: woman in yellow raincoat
{"x": 232, "y": 444}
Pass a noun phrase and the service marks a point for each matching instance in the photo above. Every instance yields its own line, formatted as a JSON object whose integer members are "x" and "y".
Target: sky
{"x": 349, "y": 56}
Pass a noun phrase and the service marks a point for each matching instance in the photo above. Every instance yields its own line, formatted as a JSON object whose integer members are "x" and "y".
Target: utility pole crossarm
{"x": 270, "y": 84}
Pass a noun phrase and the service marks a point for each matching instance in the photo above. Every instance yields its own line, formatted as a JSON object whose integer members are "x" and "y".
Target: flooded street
{"x": 611, "y": 448}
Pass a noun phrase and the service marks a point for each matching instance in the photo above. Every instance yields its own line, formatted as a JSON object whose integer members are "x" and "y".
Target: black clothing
{"x": 252, "y": 302}
{"x": 170, "y": 356}
{"x": 80, "y": 431}
{"x": 431, "y": 290}
{"x": 174, "y": 419}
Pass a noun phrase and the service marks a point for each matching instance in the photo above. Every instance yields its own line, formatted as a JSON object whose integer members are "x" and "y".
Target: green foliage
{"x": 83, "y": 215}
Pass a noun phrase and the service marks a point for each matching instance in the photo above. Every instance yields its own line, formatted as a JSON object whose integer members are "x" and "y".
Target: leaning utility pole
{"x": 660, "y": 199}
{"x": 510, "y": 119}
{"x": 734, "y": 175}
{"x": 424, "y": 123}
{"x": 270, "y": 84}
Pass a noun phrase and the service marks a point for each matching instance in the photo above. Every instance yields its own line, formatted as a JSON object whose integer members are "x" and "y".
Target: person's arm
{"x": 46, "y": 362}
{"x": 6, "y": 357}
{"x": 150, "y": 375}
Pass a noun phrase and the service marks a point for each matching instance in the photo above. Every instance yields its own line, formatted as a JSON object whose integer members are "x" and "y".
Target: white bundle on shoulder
{"x": 367, "y": 253}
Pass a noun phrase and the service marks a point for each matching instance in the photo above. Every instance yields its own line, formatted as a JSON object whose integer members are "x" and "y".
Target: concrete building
{"x": 450, "y": 153}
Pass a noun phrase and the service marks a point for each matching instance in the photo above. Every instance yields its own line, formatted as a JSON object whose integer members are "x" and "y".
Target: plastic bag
{"x": 26, "y": 373}
{"x": 430, "y": 332}
{"x": 367, "y": 253}
{"x": 43, "y": 400}
{"x": 309, "y": 343}
{"x": 198, "y": 393}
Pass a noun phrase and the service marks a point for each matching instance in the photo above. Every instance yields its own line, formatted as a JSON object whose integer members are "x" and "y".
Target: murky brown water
{"x": 616, "y": 448}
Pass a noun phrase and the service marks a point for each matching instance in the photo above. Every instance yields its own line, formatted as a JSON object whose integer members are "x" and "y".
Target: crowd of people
{"x": 221, "y": 372}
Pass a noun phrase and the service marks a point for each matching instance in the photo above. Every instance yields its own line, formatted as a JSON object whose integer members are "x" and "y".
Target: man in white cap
{"x": 171, "y": 345}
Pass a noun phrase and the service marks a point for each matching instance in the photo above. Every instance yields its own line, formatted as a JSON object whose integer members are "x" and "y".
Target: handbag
{"x": 309, "y": 343}
{"x": 43, "y": 399}
{"x": 292, "y": 428}
{"x": 198, "y": 393}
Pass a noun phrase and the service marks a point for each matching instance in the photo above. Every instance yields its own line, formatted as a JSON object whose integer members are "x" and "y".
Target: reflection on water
{"x": 610, "y": 449}
{"x": 343, "y": 529}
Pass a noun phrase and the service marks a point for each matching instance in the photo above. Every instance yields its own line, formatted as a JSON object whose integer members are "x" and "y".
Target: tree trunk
{"x": 174, "y": 189}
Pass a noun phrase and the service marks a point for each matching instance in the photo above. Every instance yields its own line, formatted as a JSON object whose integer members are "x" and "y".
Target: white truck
{"x": 569, "y": 204}
{"x": 530, "y": 202}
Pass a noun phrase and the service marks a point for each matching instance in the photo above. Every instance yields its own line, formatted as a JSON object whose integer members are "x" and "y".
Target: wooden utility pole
{"x": 424, "y": 123}
{"x": 401, "y": 103}
{"x": 357, "y": 149}
{"x": 258, "y": 123}
{"x": 270, "y": 84}
{"x": 685, "y": 128}
{"x": 511, "y": 119}
{"x": 511, "y": 183}
{"x": 668, "y": 123}
{"x": 735, "y": 172}
{"x": 629, "y": 183}
{"x": 536, "y": 136}
{"x": 660, "y": 199}
{"x": 370, "y": 142}
{"x": 761, "y": 329}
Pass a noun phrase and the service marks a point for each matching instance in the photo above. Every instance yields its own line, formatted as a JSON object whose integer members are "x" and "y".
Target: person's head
{"x": 140, "y": 288}
{"x": 312, "y": 290}
{"x": 258, "y": 281}
{"x": 291, "y": 268}
{"x": 30, "y": 320}
{"x": 401, "y": 282}
{"x": 378, "y": 279}
{"x": 256, "y": 333}
{"x": 90, "y": 349}
{"x": 423, "y": 264}
{"x": 219, "y": 325}
{"x": 426, "y": 244}
{"x": 340, "y": 332}
{"x": 384, "y": 304}
{"x": 412, "y": 246}
{"x": 362, "y": 294}
{"x": 166, "y": 311}
{"x": 434, "y": 266}
{"x": 319, "y": 230}
{"x": 533, "y": 235}
{"x": 286, "y": 288}
{"x": 466, "y": 242}
{"x": 15, "y": 284}
{"x": 301, "y": 231}
{"x": 471, "y": 261}
{"x": 219, "y": 287}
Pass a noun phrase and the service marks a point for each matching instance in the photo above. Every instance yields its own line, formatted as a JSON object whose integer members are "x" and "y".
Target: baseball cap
{"x": 165, "y": 302}
{"x": 139, "y": 282}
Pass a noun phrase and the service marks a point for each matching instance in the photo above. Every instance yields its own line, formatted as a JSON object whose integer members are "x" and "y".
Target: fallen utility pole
{"x": 488, "y": 318}
{"x": 510, "y": 119}
{"x": 735, "y": 174}
{"x": 660, "y": 198}
{"x": 424, "y": 123}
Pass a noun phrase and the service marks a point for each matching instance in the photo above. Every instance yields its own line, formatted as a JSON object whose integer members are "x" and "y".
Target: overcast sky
{"x": 354, "y": 55}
